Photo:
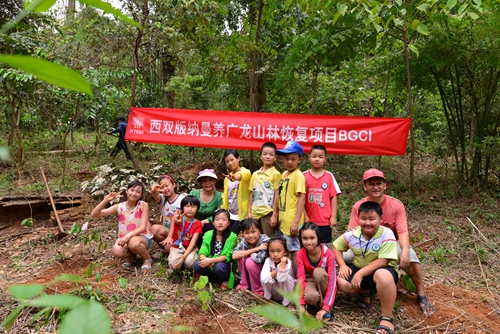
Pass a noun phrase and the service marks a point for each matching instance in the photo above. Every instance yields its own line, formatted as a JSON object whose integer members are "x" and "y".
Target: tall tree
{"x": 464, "y": 69}
{"x": 398, "y": 19}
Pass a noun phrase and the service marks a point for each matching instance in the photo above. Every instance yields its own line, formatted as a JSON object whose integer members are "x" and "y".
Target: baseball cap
{"x": 291, "y": 147}
{"x": 207, "y": 173}
{"x": 372, "y": 172}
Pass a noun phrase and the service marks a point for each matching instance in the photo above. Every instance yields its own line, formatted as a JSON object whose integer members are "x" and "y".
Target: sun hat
{"x": 291, "y": 147}
{"x": 207, "y": 173}
{"x": 372, "y": 172}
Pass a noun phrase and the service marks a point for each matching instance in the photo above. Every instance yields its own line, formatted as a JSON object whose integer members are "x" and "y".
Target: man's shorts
{"x": 326, "y": 235}
{"x": 292, "y": 243}
{"x": 367, "y": 281}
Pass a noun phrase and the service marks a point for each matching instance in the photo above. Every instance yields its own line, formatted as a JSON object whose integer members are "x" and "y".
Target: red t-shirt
{"x": 319, "y": 194}
{"x": 188, "y": 234}
{"x": 393, "y": 215}
{"x": 305, "y": 269}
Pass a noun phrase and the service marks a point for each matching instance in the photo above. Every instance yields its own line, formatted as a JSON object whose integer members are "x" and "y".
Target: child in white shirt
{"x": 277, "y": 272}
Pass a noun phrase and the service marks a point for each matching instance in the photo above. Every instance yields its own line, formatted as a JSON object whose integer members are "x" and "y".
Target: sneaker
{"x": 223, "y": 286}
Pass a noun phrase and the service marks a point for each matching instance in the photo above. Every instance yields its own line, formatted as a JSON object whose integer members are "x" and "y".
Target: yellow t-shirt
{"x": 288, "y": 196}
{"x": 262, "y": 186}
{"x": 243, "y": 193}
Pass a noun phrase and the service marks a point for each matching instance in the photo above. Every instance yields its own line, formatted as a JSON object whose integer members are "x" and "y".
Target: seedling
{"x": 75, "y": 229}
{"x": 284, "y": 317}
{"x": 83, "y": 316}
{"x": 409, "y": 284}
{"x": 205, "y": 296}
{"x": 28, "y": 222}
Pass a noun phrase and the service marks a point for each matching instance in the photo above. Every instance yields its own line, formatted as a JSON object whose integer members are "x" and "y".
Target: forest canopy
{"x": 434, "y": 62}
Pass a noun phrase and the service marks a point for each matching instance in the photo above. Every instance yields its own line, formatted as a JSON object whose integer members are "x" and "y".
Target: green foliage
{"x": 75, "y": 229}
{"x": 470, "y": 71}
{"x": 96, "y": 237}
{"x": 409, "y": 284}
{"x": 30, "y": 65}
{"x": 83, "y": 316}
{"x": 107, "y": 8}
{"x": 284, "y": 317}
{"x": 123, "y": 282}
{"x": 182, "y": 328}
{"x": 440, "y": 254}
{"x": 396, "y": 305}
{"x": 187, "y": 90}
{"x": 204, "y": 295}
{"x": 28, "y": 222}
{"x": 49, "y": 72}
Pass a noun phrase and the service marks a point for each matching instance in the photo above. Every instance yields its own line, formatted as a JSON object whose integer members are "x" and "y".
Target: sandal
{"x": 362, "y": 303}
{"x": 128, "y": 262}
{"x": 385, "y": 328}
{"x": 427, "y": 309}
{"x": 146, "y": 266}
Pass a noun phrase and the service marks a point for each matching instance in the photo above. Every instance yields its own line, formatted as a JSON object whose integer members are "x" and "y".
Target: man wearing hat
{"x": 394, "y": 217}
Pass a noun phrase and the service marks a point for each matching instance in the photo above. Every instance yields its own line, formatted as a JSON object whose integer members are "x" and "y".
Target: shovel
{"x": 61, "y": 229}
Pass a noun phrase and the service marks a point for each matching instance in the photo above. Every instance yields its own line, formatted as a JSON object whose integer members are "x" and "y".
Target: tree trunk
{"x": 314, "y": 88}
{"x": 168, "y": 71}
{"x": 65, "y": 137}
{"x": 70, "y": 10}
{"x": 413, "y": 190}
{"x": 256, "y": 81}
{"x": 13, "y": 115}
{"x": 137, "y": 45}
{"x": 20, "y": 158}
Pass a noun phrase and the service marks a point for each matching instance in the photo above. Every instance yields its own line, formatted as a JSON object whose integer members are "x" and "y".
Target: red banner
{"x": 249, "y": 130}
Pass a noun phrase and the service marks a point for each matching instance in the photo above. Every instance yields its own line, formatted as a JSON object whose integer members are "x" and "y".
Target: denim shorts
{"x": 292, "y": 243}
{"x": 149, "y": 240}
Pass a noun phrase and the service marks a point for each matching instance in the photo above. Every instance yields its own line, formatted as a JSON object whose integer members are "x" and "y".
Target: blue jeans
{"x": 220, "y": 270}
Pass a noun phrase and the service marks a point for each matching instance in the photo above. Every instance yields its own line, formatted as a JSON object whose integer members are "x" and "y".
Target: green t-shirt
{"x": 207, "y": 210}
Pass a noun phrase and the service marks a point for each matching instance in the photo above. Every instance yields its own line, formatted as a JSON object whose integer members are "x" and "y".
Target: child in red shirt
{"x": 183, "y": 235}
{"x": 316, "y": 272}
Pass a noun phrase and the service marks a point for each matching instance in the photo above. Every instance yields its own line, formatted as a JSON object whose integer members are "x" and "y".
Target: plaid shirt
{"x": 258, "y": 257}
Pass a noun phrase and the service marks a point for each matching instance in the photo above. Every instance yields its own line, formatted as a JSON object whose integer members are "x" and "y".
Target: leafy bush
{"x": 84, "y": 316}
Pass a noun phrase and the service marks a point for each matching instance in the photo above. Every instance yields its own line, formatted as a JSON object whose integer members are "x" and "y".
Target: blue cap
{"x": 291, "y": 147}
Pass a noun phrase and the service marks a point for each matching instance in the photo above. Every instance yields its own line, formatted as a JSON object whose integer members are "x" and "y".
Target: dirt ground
{"x": 463, "y": 288}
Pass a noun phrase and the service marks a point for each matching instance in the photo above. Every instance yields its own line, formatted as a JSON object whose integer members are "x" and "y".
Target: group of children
{"x": 277, "y": 249}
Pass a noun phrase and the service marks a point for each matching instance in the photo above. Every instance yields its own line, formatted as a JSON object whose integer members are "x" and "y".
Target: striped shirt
{"x": 382, "y": 245}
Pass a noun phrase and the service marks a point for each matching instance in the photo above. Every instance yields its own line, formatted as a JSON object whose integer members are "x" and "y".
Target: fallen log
{"x": 15, "y": 208}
